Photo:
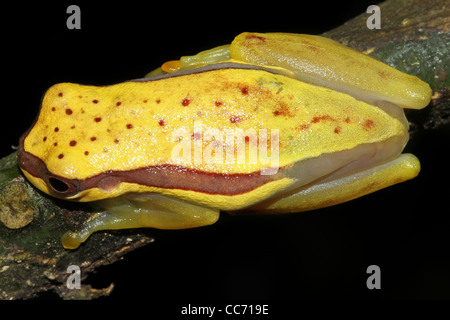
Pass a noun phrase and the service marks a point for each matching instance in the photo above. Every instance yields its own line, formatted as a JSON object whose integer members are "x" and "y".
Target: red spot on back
{"x": 161, "y": 122}
{"x": 95, "y": 101}
{"x": 129, "y": 126}
{"x": 304, "y": 127}
{"x": 185, "y": 102}
{"x": 158, "y": 101}
{"x": 337, "y": 130}
{"x": 86, "y": 153}
{"x": 72, "y": 143}
{"x": 60, "y": 156}
{"x": 60, "y": 94}
{"x": 93, "y": 138}
{"x": 252, "y": 36}
{"x": 283, "y": 110}
{"x": 45, "y": 139}
{"x": 218, "y": 103}
{"x": 69, "y": 112}
{"x": 383, "y": 74}
{"x": 368, "y": 124}
{"x": 56, "y": 129}
{"x": 321, "y": 118}
{"x": 347, "y": 120}
{"x": 97, "y": 119}
{"x": 118, "y": 103}
{"x": 235, "y": 119}
{"x": 314, "y": 48}
{"x": 244, "y": 90}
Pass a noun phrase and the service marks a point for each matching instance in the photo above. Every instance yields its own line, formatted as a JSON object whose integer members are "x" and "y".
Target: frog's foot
{"x": 211, "y": 56}
{"x": 153, "y": 211}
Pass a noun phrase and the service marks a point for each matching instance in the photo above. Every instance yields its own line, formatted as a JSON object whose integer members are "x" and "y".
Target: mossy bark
{"x": 414, "y": 38}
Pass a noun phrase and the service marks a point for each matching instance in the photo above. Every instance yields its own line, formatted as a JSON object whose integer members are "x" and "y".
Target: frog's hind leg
{"x": 155, "y": 211}
{"x": 333, "y": 192}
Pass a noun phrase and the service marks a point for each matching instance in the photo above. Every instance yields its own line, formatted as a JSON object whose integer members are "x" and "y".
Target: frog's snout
{"x": 36, "y": 169}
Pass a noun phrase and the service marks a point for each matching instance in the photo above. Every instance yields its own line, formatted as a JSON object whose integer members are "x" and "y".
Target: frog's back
{"x": 83, "y": 131}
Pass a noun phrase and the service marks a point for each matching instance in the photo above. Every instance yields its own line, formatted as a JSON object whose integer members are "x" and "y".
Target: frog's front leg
{"x": 150, "y": 210}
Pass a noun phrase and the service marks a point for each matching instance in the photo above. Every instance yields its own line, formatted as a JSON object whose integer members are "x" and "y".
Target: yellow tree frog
{"x": 271, "y": 123}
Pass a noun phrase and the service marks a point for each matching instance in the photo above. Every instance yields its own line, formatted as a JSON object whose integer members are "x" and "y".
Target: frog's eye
{"x": 61, "y": 186}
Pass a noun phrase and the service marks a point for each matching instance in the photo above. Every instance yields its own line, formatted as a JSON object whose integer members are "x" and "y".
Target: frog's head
{"x": 69, "y": 150}
{"x": 52, "y": 137}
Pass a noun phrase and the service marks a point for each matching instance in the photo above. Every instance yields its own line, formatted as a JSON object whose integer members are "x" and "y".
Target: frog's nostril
{"x": 58, "y": 185}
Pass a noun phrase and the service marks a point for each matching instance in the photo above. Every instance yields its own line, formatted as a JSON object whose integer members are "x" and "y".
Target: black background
{"x": 403, "y": 229}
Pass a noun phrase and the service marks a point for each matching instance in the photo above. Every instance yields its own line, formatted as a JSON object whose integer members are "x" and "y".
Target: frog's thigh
{"x": 153, "y": 211}
{"x": 403, "y": 168}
